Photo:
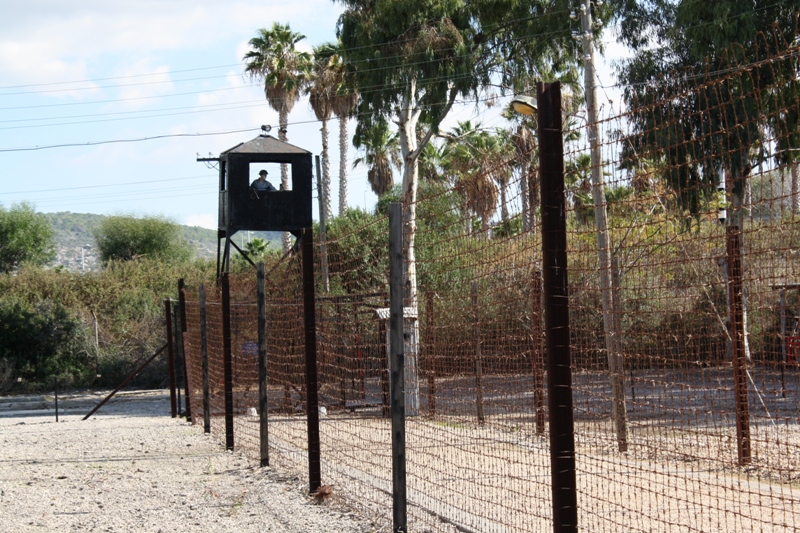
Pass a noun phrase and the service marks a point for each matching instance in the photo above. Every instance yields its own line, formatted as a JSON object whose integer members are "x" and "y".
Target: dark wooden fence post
{"x": 183, "y": 329}
{"x": 227, "y": 359}
{"x": 204, "y": 361}
{"x": 476, "y": 332}
{"x": 170, "y": 358}
{"x": 733, "y": 242}
{"x": 310, "y": 323}
{"x": 556, "y": 311}
{"x": 176, "y": 336}
{"x": 263, "y": 399}
{"x": 397, "y": 370}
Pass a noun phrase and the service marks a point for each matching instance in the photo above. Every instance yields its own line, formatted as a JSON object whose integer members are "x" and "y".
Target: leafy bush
{"x": 127, "y": 300}
{"x": 122, "y": 238}
{"x": 42, "y": 340}
{"x": 25, "y": 236}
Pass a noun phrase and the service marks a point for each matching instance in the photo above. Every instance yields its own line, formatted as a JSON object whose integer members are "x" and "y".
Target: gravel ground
{"x": 133, "y": 468}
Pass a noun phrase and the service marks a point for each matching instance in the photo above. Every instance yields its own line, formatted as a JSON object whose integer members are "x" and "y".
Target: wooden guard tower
{"x": 242, "y": 208}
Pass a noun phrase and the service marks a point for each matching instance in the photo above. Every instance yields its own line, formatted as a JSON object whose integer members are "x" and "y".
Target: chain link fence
{"x": 684, "y": 347}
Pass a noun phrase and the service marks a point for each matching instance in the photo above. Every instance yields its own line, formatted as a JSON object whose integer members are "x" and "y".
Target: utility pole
{"x": 615, "y": 363}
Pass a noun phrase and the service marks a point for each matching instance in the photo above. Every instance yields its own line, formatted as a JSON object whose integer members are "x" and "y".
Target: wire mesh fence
{"x": 685, "y": 352}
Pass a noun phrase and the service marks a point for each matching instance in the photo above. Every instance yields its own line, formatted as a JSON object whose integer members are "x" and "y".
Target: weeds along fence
{"x": 684, "y": 354}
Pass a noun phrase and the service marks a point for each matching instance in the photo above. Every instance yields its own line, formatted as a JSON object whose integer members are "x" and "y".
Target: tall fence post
{"x": 204, "y": 361}
{"x": 183, "y": 329}
{"x": 176, "y": 336}
{"x": 263, "y": 402}
{"x": 740, "y": 392}
{"x": 170, "y": 357}
{"x": 476, "y": 331}
{"x": 397, "y": 370}
{"x": 556, "y": 310}
{"x": 227, "y": 359}
{"x": 310, "y": 323}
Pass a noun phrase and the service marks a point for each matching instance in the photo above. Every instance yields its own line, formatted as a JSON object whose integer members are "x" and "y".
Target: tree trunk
{"x": 410, "y": 179}
{"x": 736, "y": 218}
{"x": 408, "y": 144}
{"x": 504, "y": 201}
{"x": 326, "y": 172}
{"x": 342, "y": 165}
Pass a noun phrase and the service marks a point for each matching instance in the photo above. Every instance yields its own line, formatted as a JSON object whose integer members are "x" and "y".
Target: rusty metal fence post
{"x": 263, "y": 403}
{"x": 310, "y": 323}
{"x": 170, "y": 357}
{"x": 556, "y": 309}
{"x": 734, "y": 251}
{"x": 204, "y": 361}
{"x": 227, "y": 359}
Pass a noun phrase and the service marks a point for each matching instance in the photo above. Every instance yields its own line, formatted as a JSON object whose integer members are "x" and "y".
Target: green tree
{"x": 412, "y": 59}
{"x": 687, "y": 121}
{"x": 42, "y": 341}
{"x": 25, "y": 236}
{"x": 123, "y": 238}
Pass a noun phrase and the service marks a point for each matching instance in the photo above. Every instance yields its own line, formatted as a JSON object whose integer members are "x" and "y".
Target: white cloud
{"x": 51, "y": 38}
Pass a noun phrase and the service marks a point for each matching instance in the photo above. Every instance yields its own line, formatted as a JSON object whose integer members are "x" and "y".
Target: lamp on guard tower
{"x": 242, "y": 207}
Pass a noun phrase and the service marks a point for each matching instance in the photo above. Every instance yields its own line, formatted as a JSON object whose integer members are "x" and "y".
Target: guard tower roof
{"x": 265, "y": 144}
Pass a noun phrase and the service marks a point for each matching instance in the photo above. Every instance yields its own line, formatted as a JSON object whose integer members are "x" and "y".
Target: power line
{"x": 65, "y": 104}
{"x": 159, "y": 115}
{"x": 115, "y": 185}
{"x": 116, "y": 77}
{"x": 193, "y": 107}
{"x": 116, "y": 141}
{"x": 122, "y": 85}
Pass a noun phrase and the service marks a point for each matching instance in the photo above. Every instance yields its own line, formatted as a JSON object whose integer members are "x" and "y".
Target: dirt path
{"x": 133, "y": 468}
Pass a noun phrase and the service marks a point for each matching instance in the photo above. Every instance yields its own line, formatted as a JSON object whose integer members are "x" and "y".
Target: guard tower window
{"x": 273, "y": 174}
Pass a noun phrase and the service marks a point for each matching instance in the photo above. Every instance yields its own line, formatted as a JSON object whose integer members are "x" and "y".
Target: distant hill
{"x": 76, "y": 250}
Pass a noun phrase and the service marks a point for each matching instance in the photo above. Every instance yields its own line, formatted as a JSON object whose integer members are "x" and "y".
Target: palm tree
{"x": 578, "y": 178}
{"x": 343, "y": 107}
{"x": 381, "y": 149}
{"x": 469, "y": 159}
{"x": 275, "y": 60}
{"x": 322, "y": 92}
{"x": 527, "y": 162}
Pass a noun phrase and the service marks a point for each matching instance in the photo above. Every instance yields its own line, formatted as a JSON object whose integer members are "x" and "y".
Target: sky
{"x": 106, "y": 105}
